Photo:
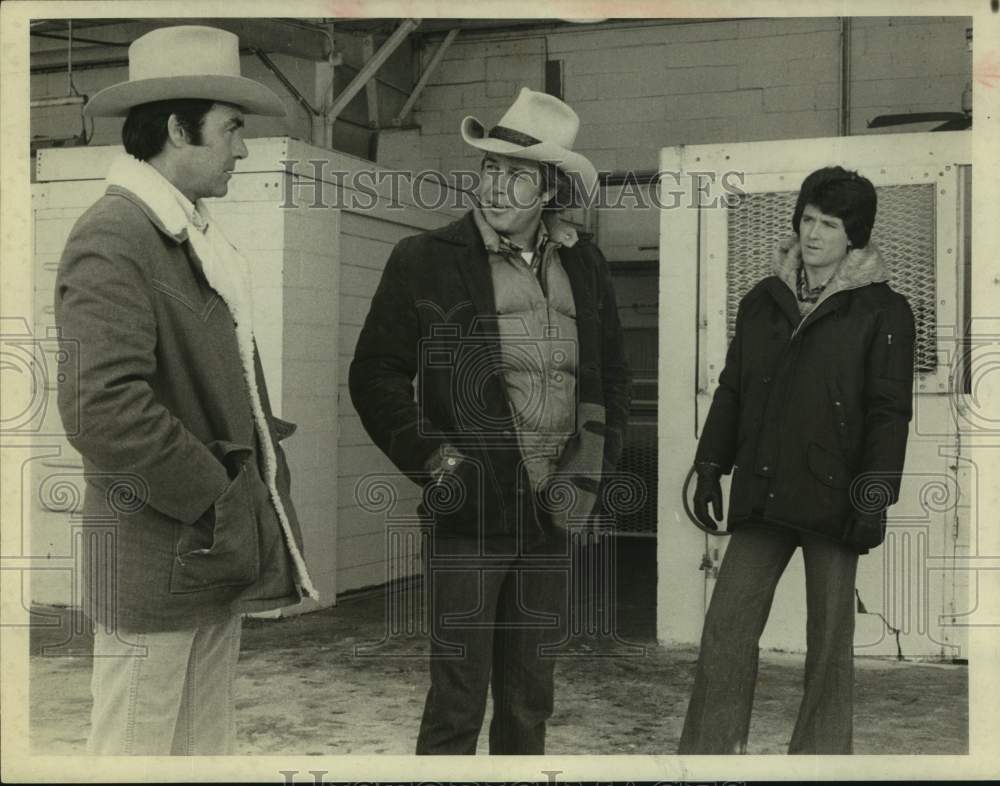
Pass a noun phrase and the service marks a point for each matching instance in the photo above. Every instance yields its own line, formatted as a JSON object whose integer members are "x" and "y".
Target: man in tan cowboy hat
{"x": 183, "y": 465}
{"x": 510, "y": 322}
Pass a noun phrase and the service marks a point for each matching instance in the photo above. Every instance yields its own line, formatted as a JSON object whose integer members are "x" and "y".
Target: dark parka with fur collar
{"x": 811, "y": 414}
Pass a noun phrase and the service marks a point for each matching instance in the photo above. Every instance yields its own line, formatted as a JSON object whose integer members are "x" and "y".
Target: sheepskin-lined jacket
{"x": 177, "y": 495}
{"x": 811, "y": 414}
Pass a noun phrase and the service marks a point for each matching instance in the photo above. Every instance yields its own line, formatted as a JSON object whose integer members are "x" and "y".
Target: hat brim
{"x": 474, "y": 134}
{"x": 251, "y": 96}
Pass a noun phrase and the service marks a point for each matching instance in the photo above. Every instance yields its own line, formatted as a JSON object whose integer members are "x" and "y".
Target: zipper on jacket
{"x": 890, "y": 339}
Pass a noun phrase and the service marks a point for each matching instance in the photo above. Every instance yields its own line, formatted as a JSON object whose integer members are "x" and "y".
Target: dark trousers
{"x": 718, "y": 716}
{"x": 491, "y": 615}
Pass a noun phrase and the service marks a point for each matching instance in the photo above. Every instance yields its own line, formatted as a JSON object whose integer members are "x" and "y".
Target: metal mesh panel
{"x": 639, "y": 458}
{"x": 904, "y": 233}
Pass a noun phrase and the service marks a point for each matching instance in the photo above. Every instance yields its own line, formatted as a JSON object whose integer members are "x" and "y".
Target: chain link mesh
{"x": 904, "y": 232}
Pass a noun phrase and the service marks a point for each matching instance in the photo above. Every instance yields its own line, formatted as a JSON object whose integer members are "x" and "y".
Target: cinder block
{"x": 870, "y": 65}
{"x": 316, "y": 377}
{"x": 502, "y": 89}
{"x": 459, "y": 71}
{"x": 603, "y": 160}
{"x": 772, "y": 73}
{"x": 930, "y": 56}
{"x": 739, "y": 103}
{"x": 319, "y": 271}
{"x": 706, "y": 130}
{"x": 442, "y": 97}
{"x": 348, "y": 339}
{"x": 792, "y": 47}
{"x": 309, "y": 229}
{"x": 515, "y": 45}
{"x": 827, "y": 95}
{"x": 673, "y": 81}
{"x": 354, "y": 309}
{"x": 616, "y": 60}
{"x": 440, "y": 145}
{"x": 789, "y": 98}
{"x": 637, "y": 33}
{"x": 51, "y": 235}
{"x": 636, "y": 110}
{"x": 788, "y": 125}
{"x": 944, "y": 91}
{"x": 763, "y": 28}
{"x": 307, "y": 342}
{"x": 430, "y": 120}
{"x": 581, "y": 87}
{"x": 460, "y": 49}
{"x": 707, "y": 53}
{"x": 637, "y": 159}
{"x": 619, "y": 86}
{"x": 513, "y": 69}
{"x": 359, "y": 281}
{"x": 311, "y": 306}
{"x": 602, "y": 136}
{"x": 364, "y": 252}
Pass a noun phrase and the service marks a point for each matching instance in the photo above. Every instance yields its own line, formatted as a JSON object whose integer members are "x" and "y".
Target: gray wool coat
{"x": 174, "y": 466}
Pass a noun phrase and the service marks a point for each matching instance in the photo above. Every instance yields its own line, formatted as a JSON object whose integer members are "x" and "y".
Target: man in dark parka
{"x": 811, "y": 416}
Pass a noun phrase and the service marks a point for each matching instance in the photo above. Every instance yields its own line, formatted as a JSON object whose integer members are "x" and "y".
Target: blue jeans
{"x": 718, "y": 716}
{"x": 492, "y": 614}
{"x": 167, "y": 693}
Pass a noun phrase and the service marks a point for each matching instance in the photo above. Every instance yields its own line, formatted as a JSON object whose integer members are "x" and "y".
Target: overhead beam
{"x": 425, "y": 77}
{"x": 371, "y": 86}
{"x": 369, "y": 69}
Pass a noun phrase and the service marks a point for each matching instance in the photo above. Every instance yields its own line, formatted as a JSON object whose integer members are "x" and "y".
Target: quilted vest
{"x": 536, "y": 319}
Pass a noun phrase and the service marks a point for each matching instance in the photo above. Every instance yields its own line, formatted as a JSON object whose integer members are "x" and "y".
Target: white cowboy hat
{"x": 187, "y": 61}
{"x": 538, "y": 127}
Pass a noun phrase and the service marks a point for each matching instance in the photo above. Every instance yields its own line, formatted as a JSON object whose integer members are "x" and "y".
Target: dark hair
{"x": 145, "y": 131}
{"x": 839, "y": 192}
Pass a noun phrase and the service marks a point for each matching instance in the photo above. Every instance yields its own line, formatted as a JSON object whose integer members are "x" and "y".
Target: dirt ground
{"x": 302, "y": 688}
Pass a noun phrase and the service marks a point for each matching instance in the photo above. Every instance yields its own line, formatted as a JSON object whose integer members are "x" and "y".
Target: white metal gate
{"x": 713, "y": 248}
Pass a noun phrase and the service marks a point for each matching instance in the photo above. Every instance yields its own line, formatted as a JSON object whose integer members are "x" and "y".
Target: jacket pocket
{"x": 222, "y": 548}
{"x": 454, "y": 501}
{"x": 827, "y": 467}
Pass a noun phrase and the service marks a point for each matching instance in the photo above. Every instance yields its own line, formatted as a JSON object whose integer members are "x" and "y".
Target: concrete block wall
{"x": 641, "y": 85}
{"x": 362, "y": 555}
{"x": 310, "y": 278}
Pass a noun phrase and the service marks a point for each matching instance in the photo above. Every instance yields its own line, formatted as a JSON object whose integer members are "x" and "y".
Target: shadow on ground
{"x": 352, "y": 680}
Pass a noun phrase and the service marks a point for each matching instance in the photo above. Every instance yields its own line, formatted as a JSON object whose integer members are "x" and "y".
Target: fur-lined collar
{"x": 861, "y": 266}
{"x": 167, "y": 207}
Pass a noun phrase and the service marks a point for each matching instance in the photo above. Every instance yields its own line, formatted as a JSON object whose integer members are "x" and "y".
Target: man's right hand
{"x": 708, "y": 489}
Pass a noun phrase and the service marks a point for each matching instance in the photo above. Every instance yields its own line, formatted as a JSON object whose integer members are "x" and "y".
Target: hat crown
{"x": 184, "y": 50}
{"x": 543, "y": 117}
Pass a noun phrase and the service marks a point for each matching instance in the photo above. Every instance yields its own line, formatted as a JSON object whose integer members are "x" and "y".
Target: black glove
{"x": 866, "y": 531}
{"x": 708, "y": 489}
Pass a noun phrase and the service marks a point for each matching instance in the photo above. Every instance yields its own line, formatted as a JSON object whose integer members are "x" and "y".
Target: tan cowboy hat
{"x": 187, "y": 61}
{"x": 538, "y": 127}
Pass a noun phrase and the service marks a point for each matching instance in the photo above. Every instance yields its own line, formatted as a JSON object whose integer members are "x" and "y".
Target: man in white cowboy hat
{"x": 509, "y": 319}
{"x": 183, "y": 467}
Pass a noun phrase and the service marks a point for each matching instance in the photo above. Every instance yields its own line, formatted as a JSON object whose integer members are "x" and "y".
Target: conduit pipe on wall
{"x": 845, "y": 76}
